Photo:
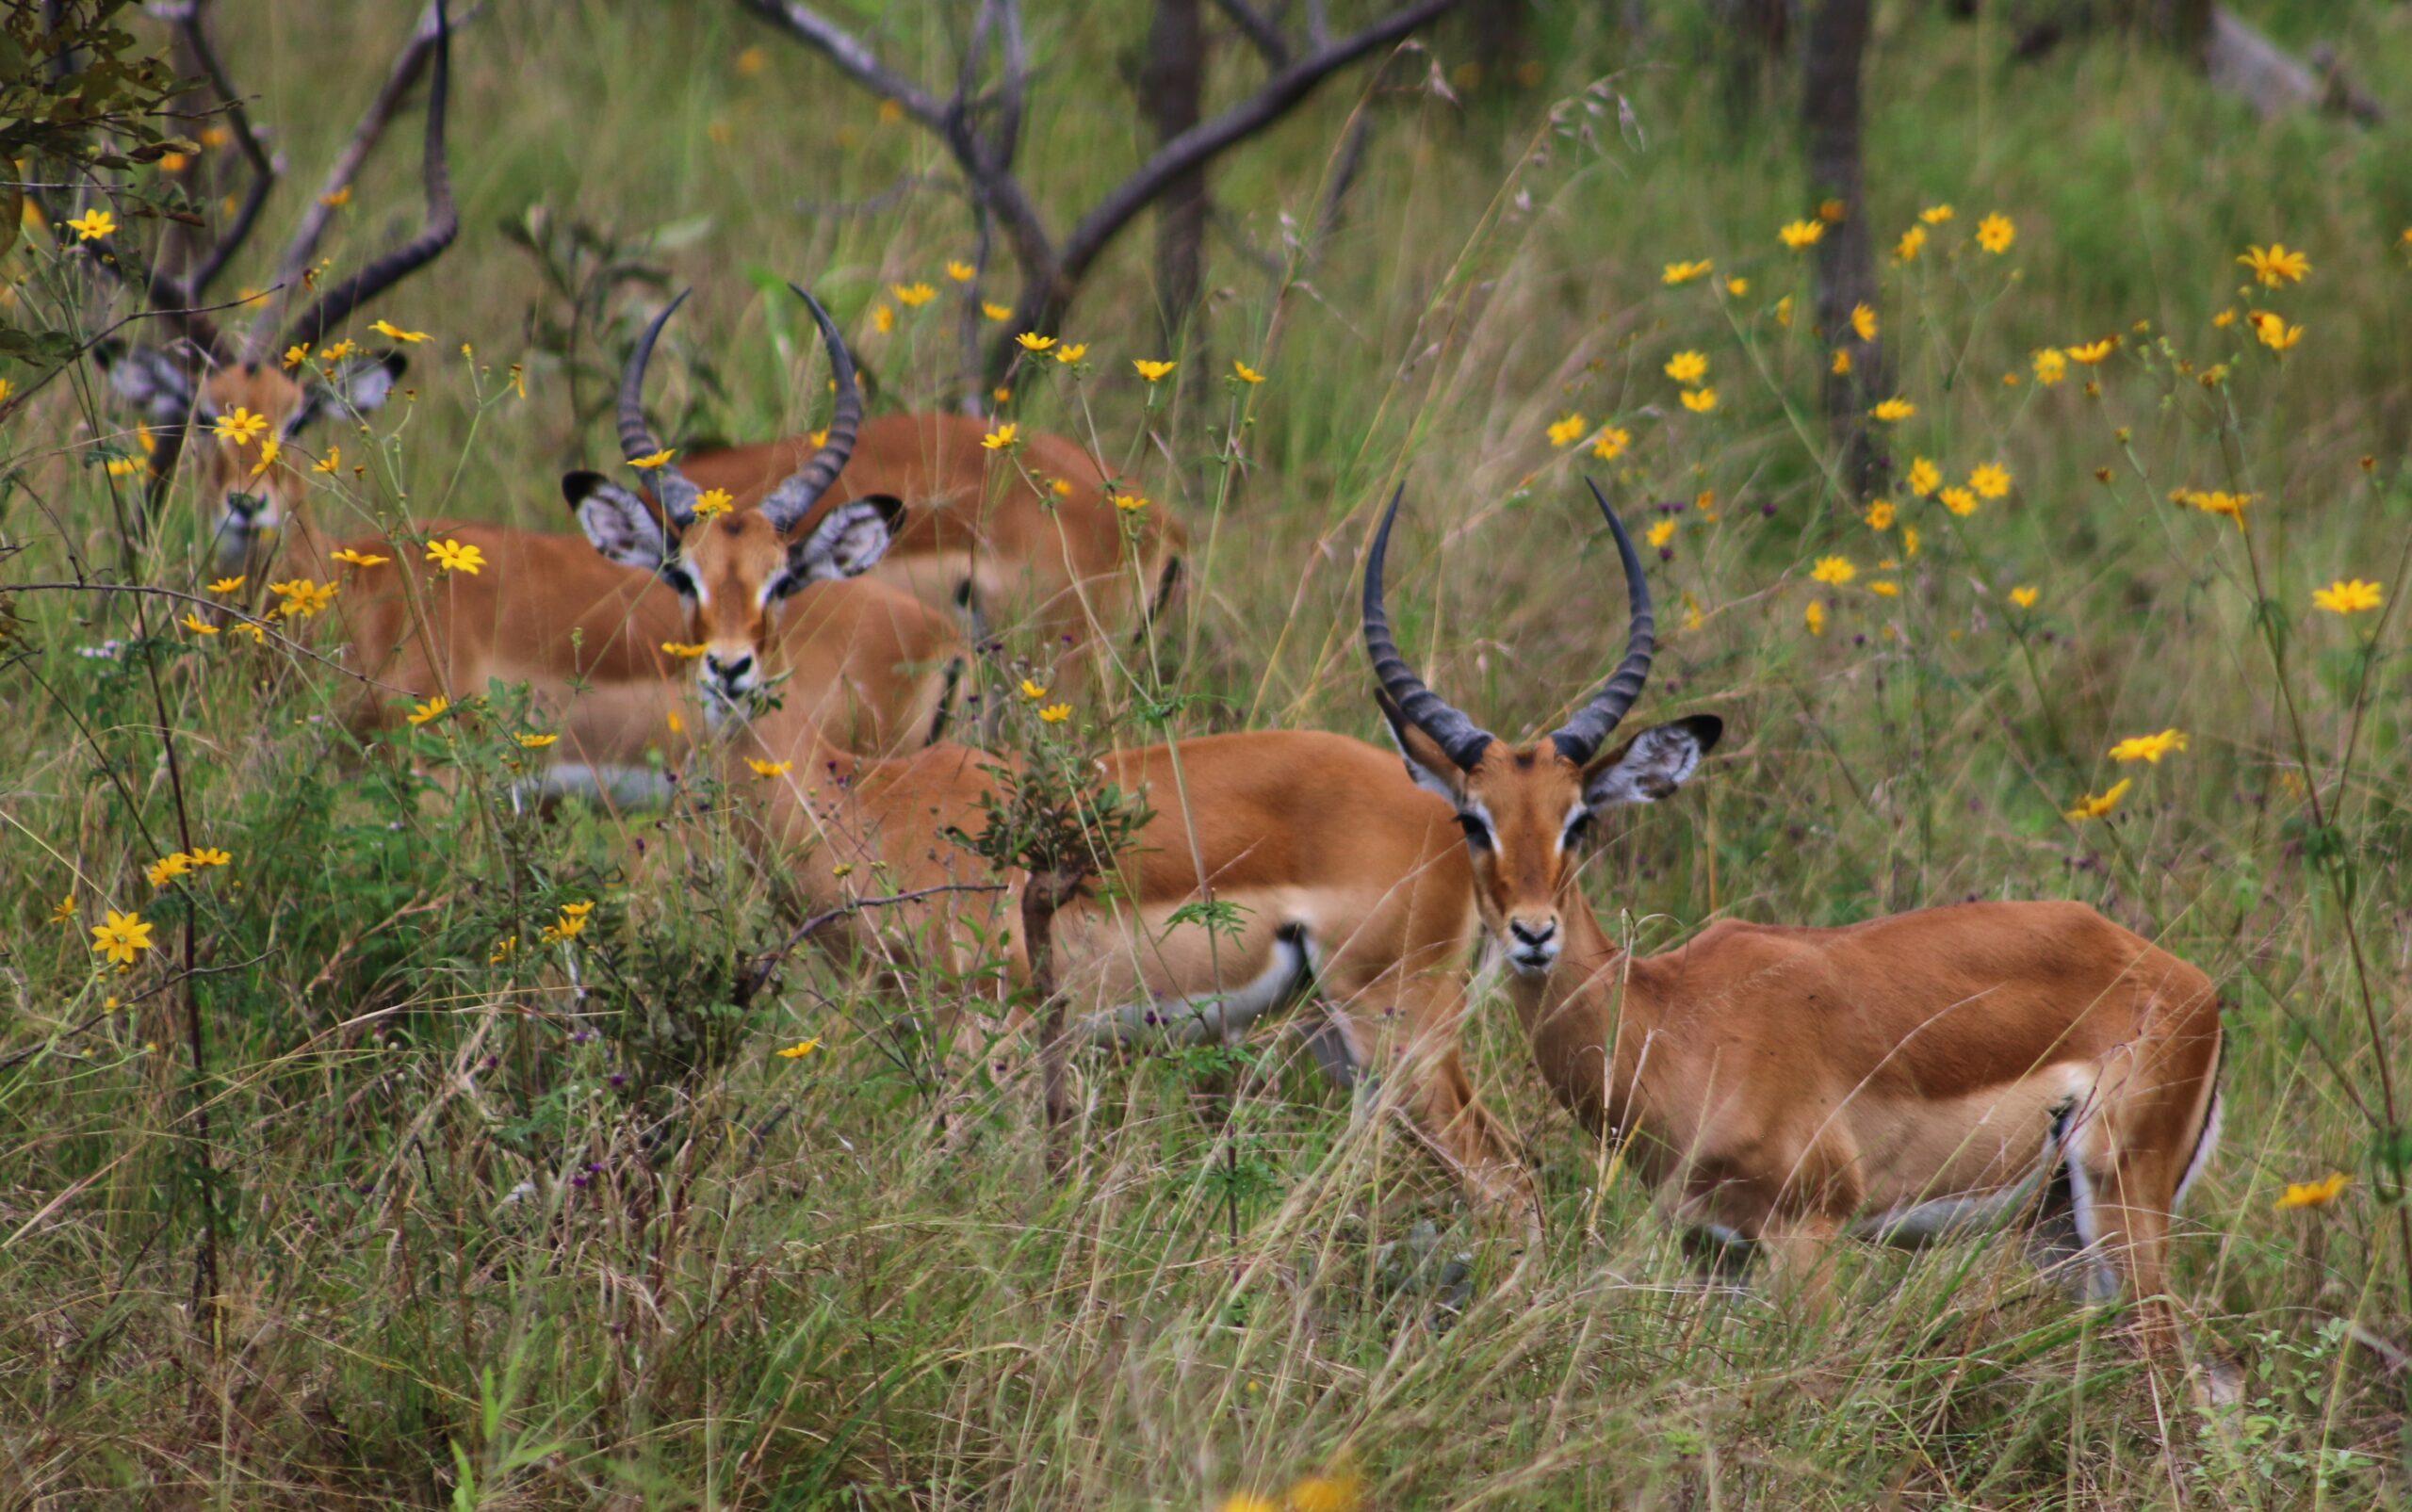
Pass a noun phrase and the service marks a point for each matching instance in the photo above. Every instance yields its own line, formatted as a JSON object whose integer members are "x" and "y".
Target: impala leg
{"x": 2130, "y": 1222}
{"x": 1412, "y": 1027}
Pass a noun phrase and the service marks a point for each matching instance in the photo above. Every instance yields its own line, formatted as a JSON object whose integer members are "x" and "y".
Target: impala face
{"x": 249, "y": 488}
{"x": 1528, "y": 814}
{"x": 1527, "y": 811}
{"x": 734, "y": 572}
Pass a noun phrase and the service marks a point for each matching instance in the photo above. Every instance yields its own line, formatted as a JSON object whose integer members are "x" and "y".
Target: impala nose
{"x": 729, "y": 672}
{"x": 244, "y": 507}
{"x": 1535, "y": 944}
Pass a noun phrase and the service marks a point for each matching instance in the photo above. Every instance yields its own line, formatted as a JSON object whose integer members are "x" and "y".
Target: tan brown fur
{"x": 1052, "y": 566}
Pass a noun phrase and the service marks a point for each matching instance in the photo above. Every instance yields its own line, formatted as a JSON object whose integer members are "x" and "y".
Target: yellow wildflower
{"x": 1033, "y": 341}
{"x": 1661, "y": 533}
{"x": 1154, "y": 371}
{"x": 714, "y": 503}
{"x": 1882, "y": 588}
{"x": 64, "y": 913}
{"x": 1924, "y": 477}
{"x": 1909, "y": 540}
{"x": 1835, "y": 570}
{"x": 2149, "y": 748}
{"x": 1684, "y": 272}
{"x": 333, "y": 460}
{"x": 1912, "y": 243}
{"x": 653, "y": 459}
{"x": 123, "y": 937}
{"x": 1737, "y": 286}
{"x": 297, "y": 354}
{"x": 1880, "y": 514}
{"x": 1994, "y": 232}
{"x": 454, "y": 556}
{"x": 883, "y": 319}
{"x": 360, "y": 558}
{"x": 1893, "y": 410}
{"x": 683, "y": 651}
{"x": 1815, "y": 618}
{"x": 962, "y": 273}
{"x": 393, "y": 332}
{"x": 1990, "y": 480}
{"x": 1246, "y": 373}
{"x": 1799, "y": 234}
{"x": 1841, "y": 364}
{"x": 93, "y": 224}
{"x": 1935, "y": 215}
{"x": 1687, "y": 366}
{"x": 2275, "y": 333}
{"x": 798, "y": 1050}
{"x": 913, "y": 296}
{"x": 1959, "y": 501}
{"x": 1567, "y": 428}
{"x": 421, "y": 713}
{"x": 2342, "y": 597}
{"x": 2314, "y": 1193}
{"x": 2093, "y": 353}
{"x": 1057, "y": 713}
{"x": 197, "y": 625}
{"x": 240, "y": 427}
{"x": 1002, "y": 437}
{"x": 1610, "y": 443}
{"x": 2051, "y": 365}
{"x": 995, "y": 311}
{"x": 2275, "y": 265}
{"x": 168, "y": 869}
{"x": 1072, "y": 352}
{"x": 2094, "y": 806}
{"x": 1863, "y": 320}
{"x": 2025, "y": 597}
{"x": 1700, "y": 400}
{"x": 768, "y": 769}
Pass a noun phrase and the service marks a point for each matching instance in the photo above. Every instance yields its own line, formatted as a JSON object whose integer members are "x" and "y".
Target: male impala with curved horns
{"x": 1911, "y": 1074}
{"x": 734, "y": 570}
{"x": 1058, "y": 560}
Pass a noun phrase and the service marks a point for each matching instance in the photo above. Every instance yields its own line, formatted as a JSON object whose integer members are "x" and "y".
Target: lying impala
{"x": 1347, "y": 884}
{"x": 1069, "y": 569}
{"x": 543, "y": 609}
{"x": 1786, "y": 1086}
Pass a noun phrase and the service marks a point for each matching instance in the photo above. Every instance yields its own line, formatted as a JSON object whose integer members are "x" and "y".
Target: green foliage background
{"x": 484, "y": 1240}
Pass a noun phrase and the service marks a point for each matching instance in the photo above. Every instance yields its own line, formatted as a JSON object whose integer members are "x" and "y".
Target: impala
{"x": 1914, "y": 1074}
{"x": 1053, "y": 558}
{"x": 1342, "y": 882}
{"x": 589, "y": 637}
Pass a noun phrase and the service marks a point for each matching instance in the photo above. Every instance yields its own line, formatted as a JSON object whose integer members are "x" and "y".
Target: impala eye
{"x": 786, "y": 587}
{"x": 1578, "y": 829}
{"x": 675, "y": 575}
{"x": 1477, "y": 833}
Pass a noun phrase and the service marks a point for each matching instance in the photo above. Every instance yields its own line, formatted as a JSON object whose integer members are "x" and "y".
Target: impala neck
{"x": 1593, "y": 1006}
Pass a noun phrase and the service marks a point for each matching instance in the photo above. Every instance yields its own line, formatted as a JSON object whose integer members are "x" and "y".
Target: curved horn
{"x": 678, "y": 495}
{"x": 787, "y": 504}
{"x": 443, "y": 217}
{"x": 1579, "y": 739}
{"x": 1459, "y": 737}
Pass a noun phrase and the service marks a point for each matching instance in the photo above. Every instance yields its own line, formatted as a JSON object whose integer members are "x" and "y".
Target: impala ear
{"x": 1426, "y": 762}
{"x": 615, "y": 520}
{"x": 148, "y": 380}
{"x": 849, "y": 541}
{"x": 358, "y": 387}
{"x": 1653, "y": 764}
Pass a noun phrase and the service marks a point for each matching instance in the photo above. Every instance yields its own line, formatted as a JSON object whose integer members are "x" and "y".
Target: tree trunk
{"x": 1042, "y": 894}
{"x": 1832, "y": 47}
{"x": 1174, "y": 81}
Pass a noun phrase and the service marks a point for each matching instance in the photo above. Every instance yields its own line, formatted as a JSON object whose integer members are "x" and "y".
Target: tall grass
{"x": 513, "y": 1233}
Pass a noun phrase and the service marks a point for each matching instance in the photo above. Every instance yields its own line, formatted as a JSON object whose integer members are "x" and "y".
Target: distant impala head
{"x": 735, "y": 569}
{"x": 250, "y": 484}
{"x": 1526, "y": 810}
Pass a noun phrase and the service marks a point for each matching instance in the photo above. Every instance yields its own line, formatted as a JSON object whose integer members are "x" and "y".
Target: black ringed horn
{"x": 792, "y": 499}
{"x": 1579, "y": 739}
{"x": 1459, "y": 736}
{"x": 670, "y": 485}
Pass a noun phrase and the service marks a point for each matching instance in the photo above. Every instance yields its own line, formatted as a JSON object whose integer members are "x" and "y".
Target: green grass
{"x": 458, "y": 1263}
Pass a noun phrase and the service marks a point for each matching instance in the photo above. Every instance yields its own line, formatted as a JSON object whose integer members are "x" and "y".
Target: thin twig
{"x": 762, "y": 973}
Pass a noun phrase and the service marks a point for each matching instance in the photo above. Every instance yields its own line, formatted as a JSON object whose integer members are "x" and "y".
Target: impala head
{"x": 252, "y": 487}
{"x": 735, "y": 569}
{"x": 248, "y": 488}
{"x": 1529, "y": 810}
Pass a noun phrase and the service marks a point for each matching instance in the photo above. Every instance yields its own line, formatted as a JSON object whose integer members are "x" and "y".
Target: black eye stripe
{"x": 1476, "y": 831}
{"x": 677, "y": 577}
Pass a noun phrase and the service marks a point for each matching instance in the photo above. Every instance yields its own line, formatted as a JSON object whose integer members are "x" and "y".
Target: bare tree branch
{"x": 814, "y": 30}
{"x": 365, "y": 136}
{"x": 1260, "y": 31}
{"x": 213, "y": 260}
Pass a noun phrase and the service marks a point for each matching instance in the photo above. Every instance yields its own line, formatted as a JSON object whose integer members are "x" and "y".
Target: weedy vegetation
{"x": 373, "y": 1134}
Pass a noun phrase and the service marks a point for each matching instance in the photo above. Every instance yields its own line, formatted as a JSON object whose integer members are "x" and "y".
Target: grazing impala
{"x": 1342, "y": 882}
{"x": 1053, "y": 559}
{"x": 1786, "y": 1086}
